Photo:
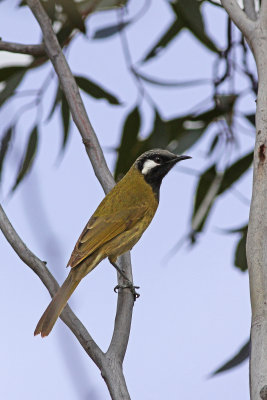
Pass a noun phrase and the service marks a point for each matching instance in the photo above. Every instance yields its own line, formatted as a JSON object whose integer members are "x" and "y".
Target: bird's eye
{"x": 158, "y": 160}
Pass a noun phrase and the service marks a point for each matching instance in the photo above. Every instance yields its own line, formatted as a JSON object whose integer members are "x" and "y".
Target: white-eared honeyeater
{"x": 115, "y": 227}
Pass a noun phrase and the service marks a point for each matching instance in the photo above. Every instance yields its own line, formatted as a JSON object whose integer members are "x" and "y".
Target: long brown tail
{"x": 57, "y": 304}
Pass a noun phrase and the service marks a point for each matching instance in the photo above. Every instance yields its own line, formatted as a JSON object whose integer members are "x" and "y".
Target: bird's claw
{"x": 130, "y": 286}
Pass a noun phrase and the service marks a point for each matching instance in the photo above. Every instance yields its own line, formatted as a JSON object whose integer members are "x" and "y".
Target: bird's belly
{"x": 122, "y": 243}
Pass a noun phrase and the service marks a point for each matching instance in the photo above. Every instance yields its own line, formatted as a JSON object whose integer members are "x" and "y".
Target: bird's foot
{"x": 130, "y": 286}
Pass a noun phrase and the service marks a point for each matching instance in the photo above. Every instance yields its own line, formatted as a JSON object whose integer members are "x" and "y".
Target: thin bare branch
{"x": 31, "y": 49}
{"x": 110, "y": 363}
{"x": 249, "y": 7}
{"x": 39, "y": 267}
{"x": 122, "y": 326}
{"x": 263, "y": 14}
{"x": 242, "y": 21}
{"x": 73, "y": 96}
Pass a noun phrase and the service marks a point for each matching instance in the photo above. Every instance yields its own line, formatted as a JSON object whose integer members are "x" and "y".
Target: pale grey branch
{"x": 39, "y": 267}
{"x": 239, "y": 17}
{"x": 256, "y": 35}
{"x": 263, "y": 14}
{"x": 110, "y": 363}
{"x": 31, "y": 49}
{"x": 249, "y": 7}
{"x": 73, "y": 96}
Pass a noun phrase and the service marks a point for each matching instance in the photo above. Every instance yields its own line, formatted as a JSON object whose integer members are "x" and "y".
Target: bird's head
{"x": 155, "y": 164}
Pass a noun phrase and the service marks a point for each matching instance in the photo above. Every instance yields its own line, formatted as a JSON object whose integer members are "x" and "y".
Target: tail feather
{"x": 56, "y": 306}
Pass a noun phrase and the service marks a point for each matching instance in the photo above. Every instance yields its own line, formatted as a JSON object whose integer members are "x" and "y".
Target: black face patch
{"x": 154, "y": 175}
{"x": 162, "y": 162}
{"x": 156, "y": 157}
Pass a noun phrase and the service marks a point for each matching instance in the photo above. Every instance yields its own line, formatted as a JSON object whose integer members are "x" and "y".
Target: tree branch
{"x": 256, "y": 35}
{"x": 73, "y": 96}
{"x": 239, "y": 17}
{"x": 40, "y": 269}
{"x": 263, "y": 14}
{"x": 122, "y": 326}
{"x": 31, "y": 49}
{"x": 249, "y": 7}
{"x": 110, "y": 363}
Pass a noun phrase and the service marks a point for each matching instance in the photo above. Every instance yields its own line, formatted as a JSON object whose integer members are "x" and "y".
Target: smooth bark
{"x": 255, "y": 32}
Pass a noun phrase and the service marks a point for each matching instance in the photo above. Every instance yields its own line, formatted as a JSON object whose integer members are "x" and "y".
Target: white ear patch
{"x": 148, "y": 165}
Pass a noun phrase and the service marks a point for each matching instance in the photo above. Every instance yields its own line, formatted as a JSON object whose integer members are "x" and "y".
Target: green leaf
{"x": 102, "y": 5}
{"x": 182, "y": 136}
{"x": 110, "y": 30}
{"x": 204, "y": 185}
{"x": 57, "y": 100}
{"x": 129, "y": 142}
{"x": 65, "y": 114}
{"x": 167, "y": 37}
{"x": 64, "y": 33}
{"x": 251, "y": 118}
{"x": 235, "y": 171}
{"x": 50, "y": 8}
{"x": 95, "y": 91}
{"x": 28, "y": 157}
{"x": 5, "y": 141}
{"x": 159, "y": 137}
{"x": 213, "y": 144}
{"x": 240, "y": 253}
{"x": 7, "y": 72}
{"x": 188, "y": 11}
{"x": 236, "y": 360}
{"x": 11, "y": 85}
{"x": 181, "y": 84}
{"x": 73, "y": 14}
{"x": 241, "y": 229}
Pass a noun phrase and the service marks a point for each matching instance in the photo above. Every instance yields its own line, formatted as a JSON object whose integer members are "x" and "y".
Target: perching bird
{"x": 115, "y": 227}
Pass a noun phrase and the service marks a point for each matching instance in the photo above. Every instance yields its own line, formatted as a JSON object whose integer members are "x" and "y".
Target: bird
{"x": 115, "y": 227}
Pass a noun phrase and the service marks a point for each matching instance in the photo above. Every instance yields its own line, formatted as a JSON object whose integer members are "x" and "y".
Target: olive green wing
{"x": 101, "y": 229}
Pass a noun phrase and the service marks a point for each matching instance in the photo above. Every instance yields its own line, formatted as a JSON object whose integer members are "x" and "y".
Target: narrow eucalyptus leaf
{"x": 58, "y": 98}
{"x": 70, "y": 7}
{"x": 241, "y": 356}
{"x": 110, "y": 30}
{"x": 7, "y": 72}
{"x": 213, "y": 144}
{"x": 65, "y": 115}
{"x": 95, "y": 90}
{"x": 235, "y": 171}
{"x": 240, "y": 253}
{"x": 5, "y": 141}
{"x": 173, "y": 30}
{"x": 251, "y": 118}
{"x": 128, "y": 143}
{"x": 28, "y": 157}
{"x": 11, "y": 85}
{"x": 205, "y": 182}
{"x": 188, "y": 11}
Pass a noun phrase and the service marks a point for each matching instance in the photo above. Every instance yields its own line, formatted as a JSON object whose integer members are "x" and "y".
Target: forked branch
{"x": 109, "y": 363}
{"x": 31, "y": 49}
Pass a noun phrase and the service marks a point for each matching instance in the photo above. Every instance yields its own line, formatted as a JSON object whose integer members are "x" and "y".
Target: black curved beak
{"x": 177, "y": 159}
{"x": 182, "y": 157}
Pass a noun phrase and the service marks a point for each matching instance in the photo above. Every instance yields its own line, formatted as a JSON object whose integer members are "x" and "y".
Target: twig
{"x": 249, "y": 7}
{"x": 31, "y": 49}
{"x": 239, "y": 17}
